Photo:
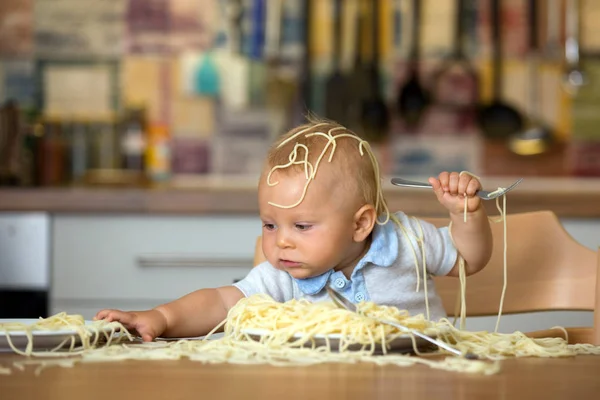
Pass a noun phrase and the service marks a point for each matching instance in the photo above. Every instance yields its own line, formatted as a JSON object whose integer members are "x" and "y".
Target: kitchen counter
{"x": 523, "y": 378}
{"x": 567, "y": 197}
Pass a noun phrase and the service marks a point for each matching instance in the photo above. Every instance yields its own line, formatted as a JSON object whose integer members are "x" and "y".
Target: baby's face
{"x": 312, "y": 237}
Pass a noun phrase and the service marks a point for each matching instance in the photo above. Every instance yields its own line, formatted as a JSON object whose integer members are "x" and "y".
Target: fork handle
{"x": 425, "y": 337}
{"x": 407, "y": 183}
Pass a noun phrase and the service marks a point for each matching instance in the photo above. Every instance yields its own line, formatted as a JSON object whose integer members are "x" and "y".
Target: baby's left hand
{"x": 450, "y": 189}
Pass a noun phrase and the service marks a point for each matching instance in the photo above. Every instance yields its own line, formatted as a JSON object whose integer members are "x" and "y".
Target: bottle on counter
{"x": 104, "y": 148}
{"x": 158, "y": 153}
{"x": 31, "y": 146}
{"x": 10, "y": 134}
{"x": 133, "y": 140}
{"x": 52, "y": 157}
{"x": 79, "y": 154}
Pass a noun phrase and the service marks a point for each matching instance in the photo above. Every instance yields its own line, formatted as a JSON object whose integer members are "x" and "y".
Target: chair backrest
{"x": 547, "y": 269}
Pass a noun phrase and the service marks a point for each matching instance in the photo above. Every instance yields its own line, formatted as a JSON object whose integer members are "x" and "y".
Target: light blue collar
{"x": 382, "y": 253}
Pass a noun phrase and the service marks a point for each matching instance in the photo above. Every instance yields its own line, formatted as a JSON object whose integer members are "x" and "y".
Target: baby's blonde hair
{"x": 353, "y": 161}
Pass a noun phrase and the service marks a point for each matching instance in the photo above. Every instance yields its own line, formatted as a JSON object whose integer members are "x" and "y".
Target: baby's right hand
{"x": 148, "y": 324}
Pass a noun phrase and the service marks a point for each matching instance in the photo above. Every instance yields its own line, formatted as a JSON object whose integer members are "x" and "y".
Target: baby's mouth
{"x": 289, "y": 263}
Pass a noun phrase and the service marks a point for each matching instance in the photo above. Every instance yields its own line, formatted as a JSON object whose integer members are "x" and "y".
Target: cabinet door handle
{"x": 174, "y": 260}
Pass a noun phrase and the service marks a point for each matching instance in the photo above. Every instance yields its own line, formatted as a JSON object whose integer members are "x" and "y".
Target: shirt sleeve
{"x": 440, "y": 252}
{"x": 265, "y": 279}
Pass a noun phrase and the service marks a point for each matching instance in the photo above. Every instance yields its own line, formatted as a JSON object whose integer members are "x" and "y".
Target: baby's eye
{"x": 269, "y": 227}
{"x": 302, "y": 227}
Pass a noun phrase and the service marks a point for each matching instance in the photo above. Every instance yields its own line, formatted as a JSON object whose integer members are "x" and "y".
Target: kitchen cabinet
{"x": 139, "y": 261}
{"x": 24, "y": 264}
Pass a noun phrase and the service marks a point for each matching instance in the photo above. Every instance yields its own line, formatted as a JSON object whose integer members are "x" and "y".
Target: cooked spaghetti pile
{"x": 500, "y": 346}
{"x": 298, "y": 321}
{"x": 259, "y": 330}
{"x": 88, "y": 336}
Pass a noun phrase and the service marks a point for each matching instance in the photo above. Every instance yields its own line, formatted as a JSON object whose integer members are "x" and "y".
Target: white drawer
{"x": 25, "y": 250}
{"x": 156, "y": 258}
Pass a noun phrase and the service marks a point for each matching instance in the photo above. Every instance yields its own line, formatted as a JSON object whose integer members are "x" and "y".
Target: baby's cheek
{"x": 271, "y": 257}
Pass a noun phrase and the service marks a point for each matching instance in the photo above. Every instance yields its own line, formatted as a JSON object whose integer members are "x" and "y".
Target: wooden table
{"x": 565, "y": 378}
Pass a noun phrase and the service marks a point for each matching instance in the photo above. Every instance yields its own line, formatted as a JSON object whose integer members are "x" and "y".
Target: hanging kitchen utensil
{"x": 538, "y": 137}
{"x": 574, "y": 77}
{"x": 257, "y": 82}
{"x": 234, "y": 65}
{"x": 413, "y": 99}
{"x": 303, "y": 99}
{"x": 281, "y": 82}
{"x": 455, "y": 83}
{"x": 206, "y": 79}
{"x": 10, "y": 137}
{"x": 336, "y": 88}
{"x": 553, "y": 45}
{"x": 358, "y": 78}
{"x": 375, "y": 116}
{"x": 237, "y": 68}
{"x": 498, "y": 119}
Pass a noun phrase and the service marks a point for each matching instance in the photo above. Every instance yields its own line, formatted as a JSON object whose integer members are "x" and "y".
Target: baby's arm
{"x": 473, "y": 238}
{"x": 195, "y": 314}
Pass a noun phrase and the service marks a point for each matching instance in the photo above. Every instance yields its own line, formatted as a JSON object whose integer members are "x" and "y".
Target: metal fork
{"x": 342, "y": 302}
{"x": 484, "y": 194}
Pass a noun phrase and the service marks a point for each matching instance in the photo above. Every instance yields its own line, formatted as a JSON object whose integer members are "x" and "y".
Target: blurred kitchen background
{"x": 110, "y": 108}
{"x": 135, "y": 92}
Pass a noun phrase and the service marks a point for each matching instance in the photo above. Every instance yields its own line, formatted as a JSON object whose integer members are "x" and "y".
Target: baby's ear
{"x": 364, "y": 222}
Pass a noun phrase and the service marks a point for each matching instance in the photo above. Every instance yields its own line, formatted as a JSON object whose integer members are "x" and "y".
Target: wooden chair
{"x": 547, "y": 271}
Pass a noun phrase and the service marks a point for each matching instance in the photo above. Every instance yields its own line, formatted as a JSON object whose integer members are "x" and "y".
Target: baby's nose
{"x": 283, "y": 239}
